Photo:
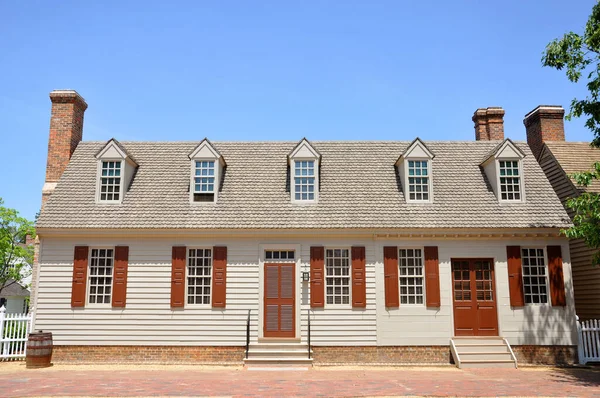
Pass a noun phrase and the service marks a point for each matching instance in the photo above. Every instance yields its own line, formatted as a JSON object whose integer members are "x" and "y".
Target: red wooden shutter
{"x": 119, "y": 293}
{"x": 80, "y": 266}
{"x": 557, "y": 279}
{"x": 317, "y": 279}
{"x": 432, "y": 276}
{"x": 359, "y": 286}
{"x": 178, "y": 276}
{"x": 219, "y": 282}
{"x": 390, "y": 271}
{"x": 515, "y": 276}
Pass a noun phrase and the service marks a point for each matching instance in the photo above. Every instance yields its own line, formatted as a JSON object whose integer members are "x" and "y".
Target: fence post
{"x": 580, "y": 351}
{"x": 3, "y": 346}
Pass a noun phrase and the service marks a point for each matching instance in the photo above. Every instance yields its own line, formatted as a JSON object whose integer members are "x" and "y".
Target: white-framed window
{"x": 304, "y": 180}
{"x": 510, "y": 180}
{"x": 535, "y": 275}
{"x": 204, "y": 181}
{"x": 199, "y": 275}
{"x": 411, "y": 274}
{"x": 101, "y": 275}
{"x": 279, "y": 255}
{"x": 418, "y": 180}
{"x": 337, "y": 276}
{"x": 110, "y": 180}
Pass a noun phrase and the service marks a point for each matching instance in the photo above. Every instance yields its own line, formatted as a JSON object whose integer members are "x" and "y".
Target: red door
{"x": 474, "y": 295}
{"x": 280, "y": 317}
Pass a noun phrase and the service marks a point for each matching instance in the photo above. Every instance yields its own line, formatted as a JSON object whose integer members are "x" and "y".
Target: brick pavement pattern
{"x": 168, "y": 380}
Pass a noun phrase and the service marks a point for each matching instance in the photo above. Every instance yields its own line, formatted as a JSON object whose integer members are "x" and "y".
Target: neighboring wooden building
{"x": 559, "y": 160}
{"x": 158, "y": 250}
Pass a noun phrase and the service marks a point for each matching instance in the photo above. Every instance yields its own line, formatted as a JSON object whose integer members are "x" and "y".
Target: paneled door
{"x": 279, "y": 311}
{"x": 474, "y": 295}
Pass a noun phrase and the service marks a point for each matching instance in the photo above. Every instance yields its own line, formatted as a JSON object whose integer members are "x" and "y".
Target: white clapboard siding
{"x": 149, "y": 320}
{"x": 418, "y": 325}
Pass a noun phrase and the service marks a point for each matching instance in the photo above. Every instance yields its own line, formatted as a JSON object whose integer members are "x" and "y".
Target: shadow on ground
{"x": 585, "y": 377}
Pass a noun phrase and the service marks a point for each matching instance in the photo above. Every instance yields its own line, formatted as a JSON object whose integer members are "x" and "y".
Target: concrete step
{"x": 482, "y": 352}
{"x": 466, "y": 348}
{"x": 478, "y": 341}
{"x": 499, "y": 363}
{"x": 485, "y": 356}
{"x": 278, "y": 346}
{"x": 278, "y": 353}
{"x": 284, "y": 361}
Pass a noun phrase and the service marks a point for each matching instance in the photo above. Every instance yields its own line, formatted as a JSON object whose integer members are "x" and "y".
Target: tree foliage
{"x": 579, "y": 56}
{"x": 15, "y": 256}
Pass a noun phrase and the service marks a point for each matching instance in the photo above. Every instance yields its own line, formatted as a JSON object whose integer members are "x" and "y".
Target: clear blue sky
{"x": 272, "y": 70}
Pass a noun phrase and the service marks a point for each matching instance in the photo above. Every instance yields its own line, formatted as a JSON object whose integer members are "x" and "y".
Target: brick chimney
{"x": 544, "y": 123}
{"x": 66, "y": 131}
{"x": 489, "y": 123}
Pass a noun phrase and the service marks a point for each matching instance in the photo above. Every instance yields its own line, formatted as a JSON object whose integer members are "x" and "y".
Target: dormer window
{"x": 304, "y": 161}
{"x": 510, "y": 180}
{"x": 204, "y": 181}
{"x": 110, "y": 182}
{"x": 116, "y": 168}
{"x": 418, "y": 180}
{"x": 304, "y": 180}
{"x": 414, "y": 167}
{"x": 503, "y": 167}
{"x": 207, "y": 166}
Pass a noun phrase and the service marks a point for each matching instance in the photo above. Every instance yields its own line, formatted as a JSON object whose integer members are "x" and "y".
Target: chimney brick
{"x": 66, "y": 132}
{"x": 544, "y": 123}
{"x": 489, "y": 124}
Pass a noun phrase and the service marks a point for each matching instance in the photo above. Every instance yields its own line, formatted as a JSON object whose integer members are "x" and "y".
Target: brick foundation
{"x": 545, "y": 354}
{"x": 149, "y": 354}
{"x": 439, "y": 355}
{"x": 346, "y": 355}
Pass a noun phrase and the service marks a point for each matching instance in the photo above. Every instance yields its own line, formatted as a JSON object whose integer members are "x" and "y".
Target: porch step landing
{"x": 482, "y": 352}
{"x": 278, "y": 355}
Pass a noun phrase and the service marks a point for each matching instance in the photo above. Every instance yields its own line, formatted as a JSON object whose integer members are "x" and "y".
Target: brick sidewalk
{"x": 169, "y": 380}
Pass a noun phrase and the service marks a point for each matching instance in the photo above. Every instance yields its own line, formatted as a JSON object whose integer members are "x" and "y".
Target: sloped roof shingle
{"x": 575, "y": 157}
{"x": 359, "y": 188}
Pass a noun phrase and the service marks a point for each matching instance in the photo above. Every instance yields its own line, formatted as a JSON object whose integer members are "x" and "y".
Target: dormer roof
{"x": 416, "y": 149}
{"x": 206, "y": 150}
{"x": 304, "y": 149}
{"x": 506, "y": 149}
{"x": 114, "y": 149}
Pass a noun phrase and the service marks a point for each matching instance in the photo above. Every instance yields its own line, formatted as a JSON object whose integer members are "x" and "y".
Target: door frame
{"x": 494, "y": 268}
{"x": 261, "y": 287}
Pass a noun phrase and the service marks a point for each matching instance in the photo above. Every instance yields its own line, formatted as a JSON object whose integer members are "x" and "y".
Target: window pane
{"x": 304, "y": 182}
{"x": 337, "y": 269}
{"x": 420, "y": 182}
{"x": 101, "y": 263}
{"x": 205, "y": 184}
{"x": 199, "y": 273}
{"x": 534, "y": 276}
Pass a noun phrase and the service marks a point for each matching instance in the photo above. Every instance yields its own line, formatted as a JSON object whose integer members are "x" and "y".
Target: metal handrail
{"x": 308, "y": 333}
{"x": 248, "y": 334}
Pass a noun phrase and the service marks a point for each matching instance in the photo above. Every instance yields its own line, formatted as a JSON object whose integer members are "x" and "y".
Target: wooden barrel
{"x": 39, "y": 350}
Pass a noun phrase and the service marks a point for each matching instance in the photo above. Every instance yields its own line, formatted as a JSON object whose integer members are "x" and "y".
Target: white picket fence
{"x": 14, "y": 329}
{"x": 589, "y": 341}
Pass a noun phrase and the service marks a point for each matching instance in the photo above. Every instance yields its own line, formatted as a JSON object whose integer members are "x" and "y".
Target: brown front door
{"x": 280, "y": 318}
{"x": 474, "y": 297}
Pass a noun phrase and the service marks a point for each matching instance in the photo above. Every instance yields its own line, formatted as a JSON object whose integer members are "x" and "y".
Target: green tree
{"x": 579, "y": 56}
{"x": 15, "y": 256}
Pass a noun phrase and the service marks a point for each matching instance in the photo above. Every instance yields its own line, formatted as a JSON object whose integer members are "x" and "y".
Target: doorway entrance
{"x": 279, "y": 311}
{"x": 474, "y": 296}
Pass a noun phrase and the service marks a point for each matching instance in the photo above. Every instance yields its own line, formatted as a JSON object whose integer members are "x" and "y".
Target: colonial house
{"x": 560, "y": 160}
{"x": 355, "y": 251}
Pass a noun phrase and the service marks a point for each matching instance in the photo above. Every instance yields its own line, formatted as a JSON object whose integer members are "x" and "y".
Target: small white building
{"x": 393, "y": 251}
{"x": 15, "y": 298}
